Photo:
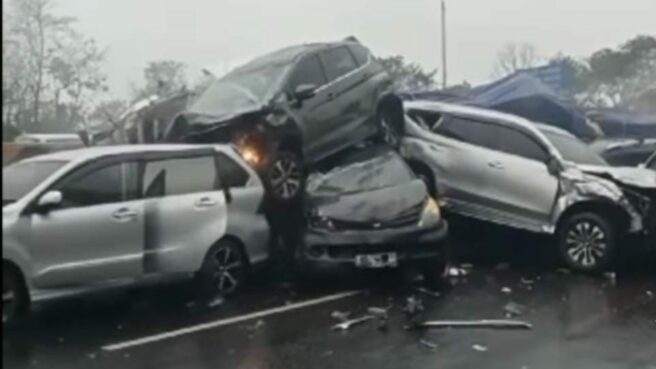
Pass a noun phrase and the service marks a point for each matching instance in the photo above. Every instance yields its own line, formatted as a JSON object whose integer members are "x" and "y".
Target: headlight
{"x": 250, "y": 155}
{"x": 431, "y": 213}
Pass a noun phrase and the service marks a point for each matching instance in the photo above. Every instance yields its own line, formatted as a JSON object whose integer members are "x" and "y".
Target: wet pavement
{"x": 578, "y": 321}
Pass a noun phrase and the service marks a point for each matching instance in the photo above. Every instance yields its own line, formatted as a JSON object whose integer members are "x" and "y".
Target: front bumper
{"x": 337, "y": 250}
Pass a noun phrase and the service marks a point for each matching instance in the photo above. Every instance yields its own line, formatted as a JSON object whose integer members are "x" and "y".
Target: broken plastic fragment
{"x": 216, "y": 302}
{"x": 344, "y": 326}
{"x": 479, "y": 348}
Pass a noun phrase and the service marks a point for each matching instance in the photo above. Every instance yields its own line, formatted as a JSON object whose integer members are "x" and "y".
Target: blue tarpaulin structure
{"x": 526, "y": 96}
{"x": 617, "y": 123}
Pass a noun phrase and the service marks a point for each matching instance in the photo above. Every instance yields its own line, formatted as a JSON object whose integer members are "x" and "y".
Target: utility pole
{"x": 444, "y": 67}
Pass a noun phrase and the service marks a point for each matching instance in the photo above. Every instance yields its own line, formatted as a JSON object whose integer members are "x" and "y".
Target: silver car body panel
{"x": 524, "y": 194}
{"x": 171, "y": 234}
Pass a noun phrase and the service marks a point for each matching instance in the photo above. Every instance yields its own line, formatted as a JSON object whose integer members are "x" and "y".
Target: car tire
{"x": 390, "y": 130}
{"x": 285, "y": 177}
{"x": 224, "y": 269}
{"x": 15, "y": 298}
{"x": 587, "y": 242}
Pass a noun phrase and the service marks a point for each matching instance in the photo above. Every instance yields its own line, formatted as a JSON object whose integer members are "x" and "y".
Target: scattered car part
{"x": 479, "y": 348}
{"x": 513, "y": 309}
{"x": 345, "y": 326}
{"x": 428, "y": 292}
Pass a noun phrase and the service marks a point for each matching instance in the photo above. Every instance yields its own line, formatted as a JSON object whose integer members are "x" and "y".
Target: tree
{"x": 163, "y": 78}
{"x": 514, "y": 57}
{"x": 407, "y": 75}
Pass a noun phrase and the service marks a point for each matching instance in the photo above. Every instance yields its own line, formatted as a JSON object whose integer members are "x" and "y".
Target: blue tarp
{"x": 524, "y": 95}
{"x": 617, "y": 123}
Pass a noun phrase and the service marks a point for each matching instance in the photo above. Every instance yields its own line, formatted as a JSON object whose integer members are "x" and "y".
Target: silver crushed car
{"x": 370, "y": 212}
{"x": 507, "y": 170}
{"x": 79, "y": 218}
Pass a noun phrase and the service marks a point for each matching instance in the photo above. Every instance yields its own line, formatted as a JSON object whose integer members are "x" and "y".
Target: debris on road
{"x": 483, "y": 323}
{"x": 649, "y": 294}
{"x": 513, "y": 309}
{"x": 413, "y": 307}
{"x": 611, "y": 277}
{"x": 218, "y": 301}
{"x": 378, "y": 312}
{"x": 427, "y": 292}
{"x": 457, "y": 272}
{"x": 479, "y": 348}
{"x": 344, "y": 326}
{"x": 429, "y": 345}
{"x": 342, "y": 316}
{"x": 526, "y": 281}
{"x": 506, "y": 290}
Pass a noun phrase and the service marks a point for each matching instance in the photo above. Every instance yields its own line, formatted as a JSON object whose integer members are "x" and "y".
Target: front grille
{"x": 410, "y": 217}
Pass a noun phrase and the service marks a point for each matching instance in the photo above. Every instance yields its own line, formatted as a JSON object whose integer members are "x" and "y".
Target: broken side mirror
{"x": 554, "y": 166}
{"x": 304, "y": 92}
{"x": 48, "y": 201}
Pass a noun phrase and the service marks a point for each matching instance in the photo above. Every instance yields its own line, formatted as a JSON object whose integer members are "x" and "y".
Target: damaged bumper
{"x": 339, "y": 250}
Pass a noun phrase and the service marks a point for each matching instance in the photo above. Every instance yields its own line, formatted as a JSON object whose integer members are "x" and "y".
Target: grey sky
{"x": 225, "y": 32}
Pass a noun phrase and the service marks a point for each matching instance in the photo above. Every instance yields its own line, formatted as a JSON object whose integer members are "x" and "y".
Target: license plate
{"x": 386, "y": 260}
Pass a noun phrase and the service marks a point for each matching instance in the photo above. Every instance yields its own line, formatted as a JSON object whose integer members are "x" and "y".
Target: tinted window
{"x": 630, "y": 159}
{"x": 470, "y": 131}
{"x": 180, "y": 176}
{"x": 520, "y": 144}
{"x": 232, "y": 174}
{"x": 338, "y": 62}
{"x": 572, "y": 149}
{"x": 360, "y": 53}
{"x": 110, "y": 184}
{"x": 308, "y": 72}
{"x": 20, "y": 178}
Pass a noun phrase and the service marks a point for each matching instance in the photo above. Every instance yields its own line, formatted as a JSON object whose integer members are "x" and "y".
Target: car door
{"x": 460, "y": 149}
{"x": 523, "y": 189}
{"x": 96, "y": 234}
{"x": 185, "y": 210}
{"x": 314, "y": 113}
{"x": 346, "y": 91}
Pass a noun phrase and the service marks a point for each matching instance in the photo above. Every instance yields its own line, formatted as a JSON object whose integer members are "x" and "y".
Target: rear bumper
{"x": 334, "y": 251}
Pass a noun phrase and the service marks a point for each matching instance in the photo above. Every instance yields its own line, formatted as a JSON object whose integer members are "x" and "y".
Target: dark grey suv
{"x": 294, "y": 107}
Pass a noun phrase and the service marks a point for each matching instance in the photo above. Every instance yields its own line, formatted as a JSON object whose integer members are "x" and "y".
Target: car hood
{"x": 377, "y": 206}
{"x": 637, "y": 177}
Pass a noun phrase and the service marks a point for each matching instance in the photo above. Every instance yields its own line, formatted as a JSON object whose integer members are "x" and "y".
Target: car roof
{"x": 90, "y": 153}
{"x": 473, "y": 111}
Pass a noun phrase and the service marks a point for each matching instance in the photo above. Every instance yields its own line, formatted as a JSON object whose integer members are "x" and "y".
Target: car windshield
{"x": 20, "y": 178}
{"x": 239, "y": 91}
{"x": 574, "y": 150}
{"x": 384, "y": 171}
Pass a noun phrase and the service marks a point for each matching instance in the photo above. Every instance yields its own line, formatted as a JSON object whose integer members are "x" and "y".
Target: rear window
{"x": 387, "y": 170}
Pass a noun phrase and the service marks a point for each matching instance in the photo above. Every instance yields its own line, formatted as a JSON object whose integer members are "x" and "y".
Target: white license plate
{"x": 386, "y": 260}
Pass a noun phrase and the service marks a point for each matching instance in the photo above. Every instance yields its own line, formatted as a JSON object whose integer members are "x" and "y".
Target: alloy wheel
{"x": 228, "y": 270}
{"x": 285, "y": 178}
{"x": 586, "y": 244}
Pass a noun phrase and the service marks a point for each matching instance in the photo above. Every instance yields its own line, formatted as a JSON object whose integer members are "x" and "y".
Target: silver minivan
{"x": 504, "y": 169}
{"x": 80, "y": 218}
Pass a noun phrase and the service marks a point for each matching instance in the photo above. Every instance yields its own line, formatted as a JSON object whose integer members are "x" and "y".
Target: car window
{"x": 470, "y": 131}
{"x": 429, "y": 120}
{"x": 574, "y": 150}
{"x": 360, "y": 53}
{"x": 231, "y": 173}
{"x": 179, "y": 176}
{"x": 630, "y": 159}
{"x": 518, "y": 143}
{"x": 308, "y": 72}
{"x": 338, "y": 62}
{"x": 20, "y": 178}
{"x": 110, "y": 184}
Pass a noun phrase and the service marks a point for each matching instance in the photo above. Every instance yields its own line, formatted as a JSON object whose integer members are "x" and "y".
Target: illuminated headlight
{"x": 430, "y": 214}
{"x": 250, "y": 155}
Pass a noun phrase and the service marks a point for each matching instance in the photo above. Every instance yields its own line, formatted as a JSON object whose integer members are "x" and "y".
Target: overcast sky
{"x": 225, "y": 32}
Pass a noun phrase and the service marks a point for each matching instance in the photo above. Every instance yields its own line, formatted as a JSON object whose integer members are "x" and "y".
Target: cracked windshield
{"x": 285, "y": 184}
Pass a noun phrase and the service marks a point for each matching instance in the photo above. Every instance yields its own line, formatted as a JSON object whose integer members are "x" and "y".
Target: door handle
{"x": 205, "y": 202}
{"x": 495, "y": 164}
{"x": 124, "y": 215}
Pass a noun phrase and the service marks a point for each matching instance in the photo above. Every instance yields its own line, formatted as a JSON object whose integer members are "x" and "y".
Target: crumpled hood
{"x": 380, "y": 205}
{"x": 638, "y": 177}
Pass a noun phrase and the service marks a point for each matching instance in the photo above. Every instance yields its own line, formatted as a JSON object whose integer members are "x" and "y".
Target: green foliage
{"x": 408, "y": 75}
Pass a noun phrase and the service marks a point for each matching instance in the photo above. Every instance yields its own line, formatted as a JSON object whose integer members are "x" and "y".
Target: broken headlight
{"x": 431, "y": 213}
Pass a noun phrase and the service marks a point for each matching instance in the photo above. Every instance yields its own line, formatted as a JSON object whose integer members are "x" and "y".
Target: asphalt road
{"x": 578, "y": 321}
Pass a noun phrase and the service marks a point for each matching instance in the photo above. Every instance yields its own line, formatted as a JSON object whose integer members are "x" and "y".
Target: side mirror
{"x": 304, "y": 92}
{"x": 49, "y": 200}
{"x": 553, "y": 166}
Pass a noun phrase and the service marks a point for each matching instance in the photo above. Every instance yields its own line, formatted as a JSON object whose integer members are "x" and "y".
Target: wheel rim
{"x": 586, "y": 244}
{"x": 8, "y": 301}
{"x": 228, "y": 267}
{"x": 285, "y": 178}
{"x": 389, "y": 134}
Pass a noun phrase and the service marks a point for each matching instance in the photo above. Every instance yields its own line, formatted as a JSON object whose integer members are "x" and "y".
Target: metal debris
{"x": 429, "y": 345}
{"x": 483, "y": 323}
{"x": 513, "y": 309}
{"x": 427, "y": 292}
{"x": 344, "y": 326}
{"x": 457, "y": 272}
{"x": 342, "y": 316}
{"x": 479, "y": 348}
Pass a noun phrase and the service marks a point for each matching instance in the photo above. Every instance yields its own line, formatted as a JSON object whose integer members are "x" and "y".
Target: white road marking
{"x": 219, "y": 323}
